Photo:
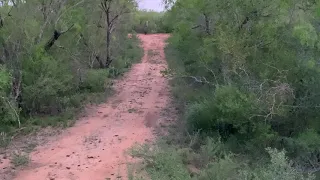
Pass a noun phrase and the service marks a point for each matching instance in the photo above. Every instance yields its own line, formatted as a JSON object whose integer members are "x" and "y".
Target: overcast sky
{"x": 155, "y": 5}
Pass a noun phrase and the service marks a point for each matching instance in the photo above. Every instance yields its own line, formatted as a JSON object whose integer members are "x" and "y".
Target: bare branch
{"x": 202, "y": 80}
{"x": 67, "y": 29}
{"x": 211, "y": 71}
{"x": 9, "y": 13}
{"x": 195, "y": 27}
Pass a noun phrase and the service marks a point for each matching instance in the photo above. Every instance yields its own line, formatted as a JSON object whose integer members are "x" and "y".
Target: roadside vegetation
{"x": 57, "y": 56}
{"x": 245, "y": 76}
{"x": 151, "y": 22}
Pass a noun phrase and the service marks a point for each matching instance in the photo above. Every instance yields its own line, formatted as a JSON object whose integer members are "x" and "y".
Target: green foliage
{"x": 45, "y": 82}
{"x": 224, "y": 168}
{"x": 213, "y": 162}
{"x": 95, "y": 81}
{"x": 306, "y": 33}
{"x": 309, "y": 138}
{"x": 5, "y": 79}
{"x": 226, "y": 111}
{"x": 151, "y": 22}
{"x": 51, "y": 53}
{"x": 279, "y": 168}
{"x": 162, "y": 163}
{"x": 248, "y": 72}
{"x": 8, "y": 111}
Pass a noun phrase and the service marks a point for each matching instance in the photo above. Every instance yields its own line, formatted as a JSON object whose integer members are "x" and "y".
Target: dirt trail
{"x": 94, "y": 149}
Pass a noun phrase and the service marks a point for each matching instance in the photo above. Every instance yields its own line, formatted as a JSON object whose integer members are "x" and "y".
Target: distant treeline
{"x": 151, "y": 22}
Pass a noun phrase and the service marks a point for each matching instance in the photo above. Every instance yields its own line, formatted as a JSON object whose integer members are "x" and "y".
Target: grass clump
{"x": 20, "y": 159}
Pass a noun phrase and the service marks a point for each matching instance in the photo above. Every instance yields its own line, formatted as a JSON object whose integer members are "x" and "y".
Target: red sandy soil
{"x": 95, "y": 148}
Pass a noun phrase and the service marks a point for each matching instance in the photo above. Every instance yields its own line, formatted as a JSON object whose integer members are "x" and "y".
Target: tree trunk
{"x": 56, "y": 35}
{"x": 247, "y": 18}
{"x": 108, "y": 61}
{"x": 16, "y": 88}
{"x": 52, "y": 40}
{"x": 99, "y": 61}
{"x": 109, "y": 28}
{"x": 6, "y": 54}
{"x": 106, "y": 6}
{"x": 1, "y": 21}
{"x": 146, "y": 25}
{"x": 207, "y": 21}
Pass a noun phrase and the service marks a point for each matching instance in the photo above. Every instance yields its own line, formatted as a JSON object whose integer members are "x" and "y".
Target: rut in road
{"x": 94, "y": 149}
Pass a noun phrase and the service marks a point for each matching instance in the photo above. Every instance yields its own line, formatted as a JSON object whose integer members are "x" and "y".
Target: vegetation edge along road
{"x": 244, "y": 75}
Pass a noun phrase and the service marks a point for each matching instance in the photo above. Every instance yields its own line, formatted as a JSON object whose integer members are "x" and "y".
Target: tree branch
{"x": 1, "y": 21}
{"x": 67, "y": 29}
{"x": 3, "y": 18}
{"x": 207, "y": 21}
{"x": 55, "y": 37}
{"x": 195, "y": 27}
{"x": 202, "y": 80}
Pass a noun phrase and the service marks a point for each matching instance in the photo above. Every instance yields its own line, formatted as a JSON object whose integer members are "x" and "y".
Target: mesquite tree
{"x": 113, "y": 10}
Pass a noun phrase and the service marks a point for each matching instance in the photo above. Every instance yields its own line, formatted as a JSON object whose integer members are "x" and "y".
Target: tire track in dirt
{"x": 94, "y": 148}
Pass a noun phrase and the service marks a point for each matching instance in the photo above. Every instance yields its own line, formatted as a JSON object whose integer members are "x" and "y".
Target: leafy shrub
{"x": 224, "y": 168}
{"x": 199, "y": 116}
{"x": 46, "y": 81}
{"x": 213, "y": 162}
{"x": 303, "y": 149}
{"x": 278, "y": 168}
{"x": 5, "y": 80}
{"x": 47, "y": 63}
{"x": 9, "y": 113}
{"x": 162, "y": 162}
{"x": 226, "y": 111}
{"x": 95, "y": 81}
{"x": 260, "y": 78}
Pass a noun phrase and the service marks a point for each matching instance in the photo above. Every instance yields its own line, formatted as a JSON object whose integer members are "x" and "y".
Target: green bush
{"x": 303, "y": 149}
{"x": 129, "y": 53}
{"x": 95, "y": 80}
{"x": 45, "y": 83}
{"x": 224, "y": 168}
{"x": 47, "y": 69}
{"x": 225, "y": 111}
{"x": 213, "y": 162}
{"x": 9, "y": 113}
{"x": 278, "y": 168}
{"x": 163, "y": 162}
{"x": 259, "y": 74}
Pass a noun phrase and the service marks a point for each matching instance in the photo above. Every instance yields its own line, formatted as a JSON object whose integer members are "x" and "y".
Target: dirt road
{"x": 94, "y": 149}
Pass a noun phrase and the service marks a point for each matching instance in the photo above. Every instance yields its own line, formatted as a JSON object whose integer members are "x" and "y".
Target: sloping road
{"x": 94, "y": 149}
